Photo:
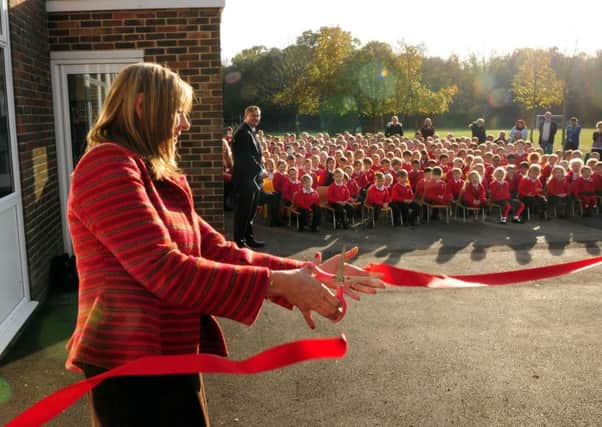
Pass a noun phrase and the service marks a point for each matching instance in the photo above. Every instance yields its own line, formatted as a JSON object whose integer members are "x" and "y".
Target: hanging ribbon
{"x": 268, "y": 360}
{"x": 291, "y": 353}
{"x": 402, "y": 277}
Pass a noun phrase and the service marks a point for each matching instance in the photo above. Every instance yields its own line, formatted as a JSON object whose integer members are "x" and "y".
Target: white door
{"x": 80, "y": 84}
{"x": 15, "y": 304}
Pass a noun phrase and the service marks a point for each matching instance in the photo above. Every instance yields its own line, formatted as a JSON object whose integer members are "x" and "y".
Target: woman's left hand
{"x": 356, "y": 279}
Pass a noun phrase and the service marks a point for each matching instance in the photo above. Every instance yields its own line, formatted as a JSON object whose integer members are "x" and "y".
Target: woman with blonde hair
{"x": 152, "y": 272}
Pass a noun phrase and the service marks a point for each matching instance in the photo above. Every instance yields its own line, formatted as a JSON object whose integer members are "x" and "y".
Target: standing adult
{"x": 519, "y": 131}
{"x": 153, "y": 274}
{"x": 247, "y": 177}
{"x": 427, "y": 129}
{"x": 597, "y": 145}
{"x": 394, "y": 127}
{"x": 478, "y": 130}
{"x": 573, "y": 131}
{"x": 547, "y": 133}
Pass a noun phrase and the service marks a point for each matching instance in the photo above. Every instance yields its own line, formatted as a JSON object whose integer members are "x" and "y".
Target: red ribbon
{"x": 268, "y": 360}
{"x": 286, "y": 354}
{"x": 402, "y": 277}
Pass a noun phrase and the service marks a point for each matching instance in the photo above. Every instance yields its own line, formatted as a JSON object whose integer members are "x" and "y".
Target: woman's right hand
{"x": 308, "y": 294}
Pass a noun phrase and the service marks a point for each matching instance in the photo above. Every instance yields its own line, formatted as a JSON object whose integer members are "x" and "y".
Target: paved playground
{"x": 525, "y": 354}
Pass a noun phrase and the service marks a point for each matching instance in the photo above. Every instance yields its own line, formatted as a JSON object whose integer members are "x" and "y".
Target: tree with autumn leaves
{"x": 372, "y": 81}
{"x": 536, "y": 85}
{"x": 328, "y": 80}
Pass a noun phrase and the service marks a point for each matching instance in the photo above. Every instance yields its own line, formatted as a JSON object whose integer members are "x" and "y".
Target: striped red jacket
{"x": 152, "y": 272}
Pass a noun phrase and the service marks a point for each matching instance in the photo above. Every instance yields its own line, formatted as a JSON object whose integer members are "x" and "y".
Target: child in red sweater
{"x": 378, "y": 196}
{"x": 473, "y": 194}
{"x": 530, "y": 191}
{"x": 585, "y": 191}
{"x": 513, "y": 179}
{"x": 352, "y": 185}
{"x": 436, "y": 191}
{"x": 290, "y": 186}
{"x": 307, "y": 202}
{"x": 455, "y": 183}
{"x": 499, "y": 193}
{"x": 423, "y": 183}
{"x": 402, "y": 201}
{"x": 339, "y": 199}
{"x": 279, "y": 177}
{"x": 415, "y": 174}
{"x": 359, "y": 175}
{"x": 558, "y": 190}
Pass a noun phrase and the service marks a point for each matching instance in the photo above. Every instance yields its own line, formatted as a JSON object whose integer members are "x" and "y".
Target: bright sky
{"x": 444, "y": 27}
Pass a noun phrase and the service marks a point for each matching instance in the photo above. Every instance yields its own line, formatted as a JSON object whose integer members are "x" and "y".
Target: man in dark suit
{"x": 247, "y": 177}
{"x": 547, "y": 132}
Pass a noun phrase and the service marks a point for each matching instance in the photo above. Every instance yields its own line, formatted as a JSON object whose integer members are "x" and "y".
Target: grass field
{"x": 585, "y": 140}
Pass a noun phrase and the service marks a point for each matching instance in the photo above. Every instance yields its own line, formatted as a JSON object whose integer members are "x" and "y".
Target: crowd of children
{"x": 350, "y": 174}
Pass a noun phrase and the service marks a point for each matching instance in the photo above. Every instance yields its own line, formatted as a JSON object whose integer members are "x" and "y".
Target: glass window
{"x": 87, "y": 93}
{"x": 6, "y": 174}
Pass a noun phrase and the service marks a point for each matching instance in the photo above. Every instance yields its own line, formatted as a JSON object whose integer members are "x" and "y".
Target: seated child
{"x": 415, "y": 174}
{"x": 402, "y": 201}
{"x": 378, "y": 196}
{"x": 585, "y": 191}
{"x": 307, "y": 202}
{"x": 427, "y": 175}
{"x": 455, "y": 183}
{"x": 436, "y": 191}
{"x": 558, "y": 190}
{"x": 530, "y": 191}
{"x": 473, "y": 194}
{"x": 290, "y": 186}
{"x": 339, "y": 198}
{"x": 499, "y": 191}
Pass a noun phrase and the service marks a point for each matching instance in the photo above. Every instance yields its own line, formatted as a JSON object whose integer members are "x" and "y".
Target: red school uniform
{"x": 455, "y": 187}
{"x": 556, "y": 187}
{"x": 499, "y": 190}
{"x": 354, "y": 188}
{"x": 415, "y": 176}
{"x": 546, "y": 172}
{"x": 377, "y": 196}
{"x": 401, "y": 193}
{"x": 289, "y": 188}
{"x": 473, "y": 194}
{"x": 437, "y": 192}
{"x": 513, "y": 183}
{"x": 361, "y": 178}
{"x": 338, "y": 193}
{"x": 369, "y": 176}
{"x": 585, "y": 186}
{"x": 571, "y": 178}
{"x": 304, "y": 199}
{"x": 585, "y": 190}
{"x": 278, "y": 181}
{"x": 529, "y": 187}
{"x": 407, "y": 166}
{"x": 598, "y": 182}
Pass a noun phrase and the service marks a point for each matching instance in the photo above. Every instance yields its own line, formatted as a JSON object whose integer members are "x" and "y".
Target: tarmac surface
{"x": 521, "y": 355}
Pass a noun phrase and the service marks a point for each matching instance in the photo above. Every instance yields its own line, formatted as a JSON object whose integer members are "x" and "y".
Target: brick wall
{"x": 187, "y": 41}
{"x": 35, "y": 139}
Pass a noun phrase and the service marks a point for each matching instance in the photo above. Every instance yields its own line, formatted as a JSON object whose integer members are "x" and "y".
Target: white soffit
{"x": 87, "y": 5}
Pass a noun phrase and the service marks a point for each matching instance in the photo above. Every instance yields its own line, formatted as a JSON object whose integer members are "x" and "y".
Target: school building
{"x": 57, "y": 61}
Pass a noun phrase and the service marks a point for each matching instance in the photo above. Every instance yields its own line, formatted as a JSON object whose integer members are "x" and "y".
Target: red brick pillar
{"x": 187, "y": 41}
